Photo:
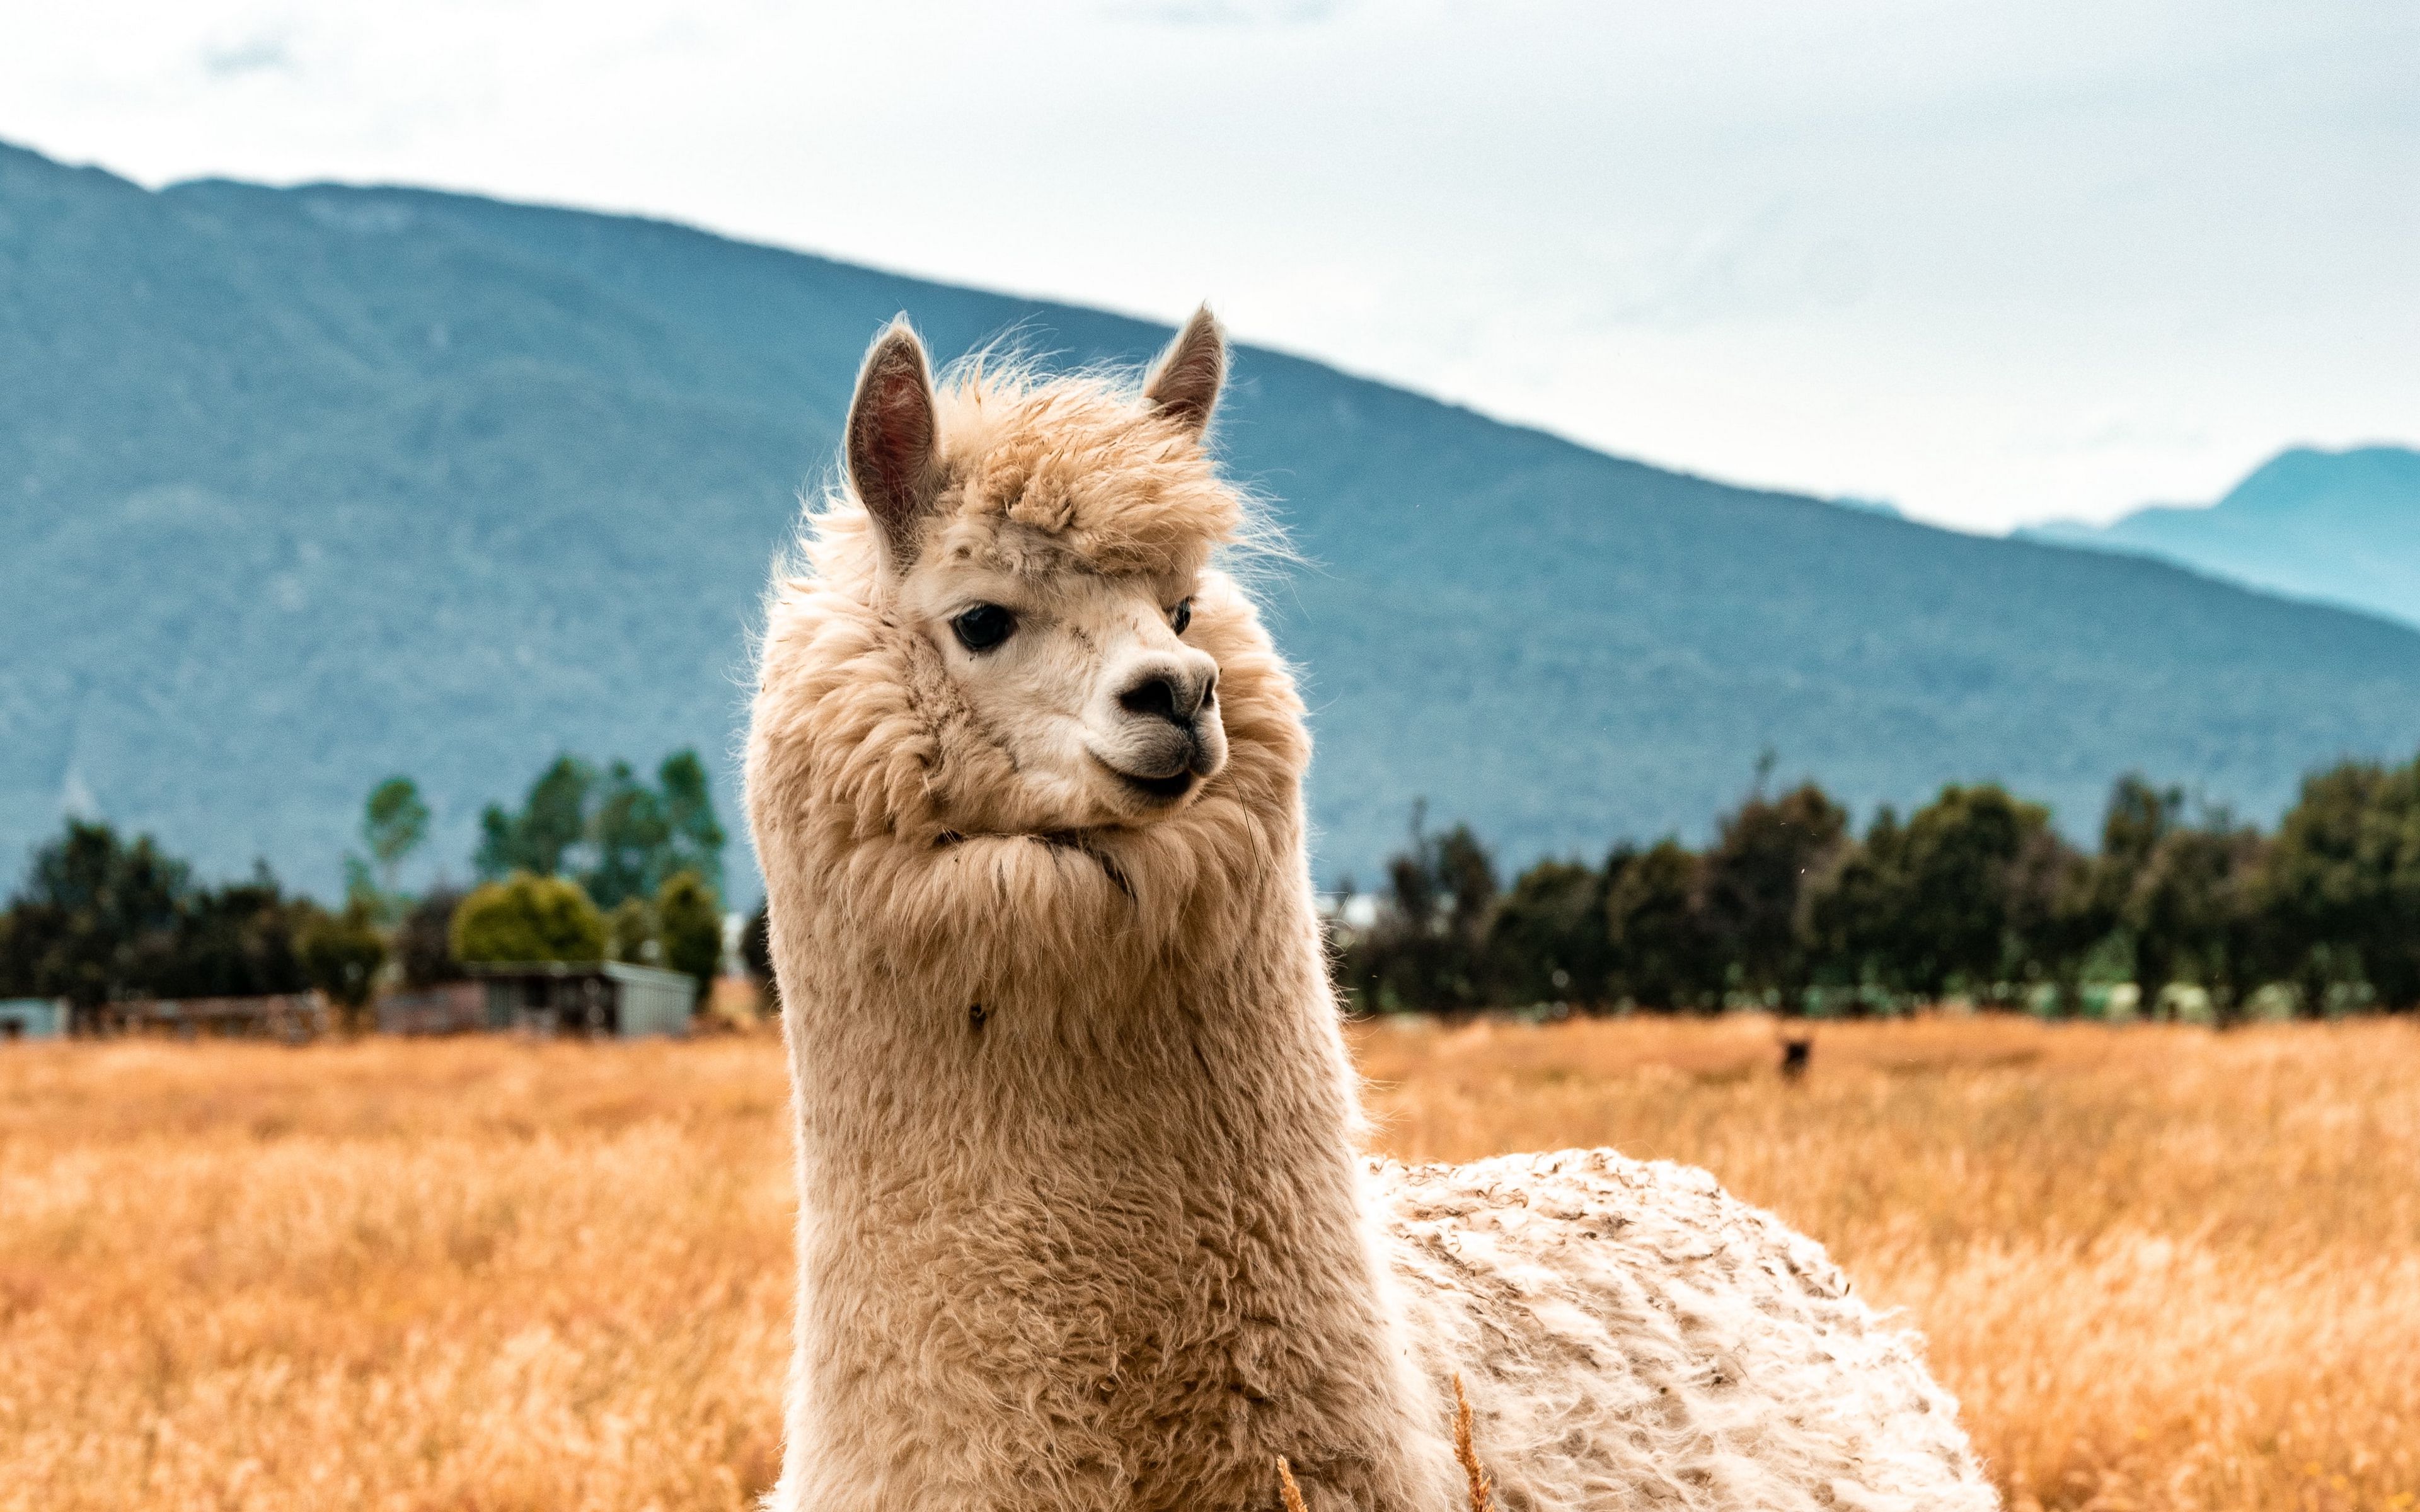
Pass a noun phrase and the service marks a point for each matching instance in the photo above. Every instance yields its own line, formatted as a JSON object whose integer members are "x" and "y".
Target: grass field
{"x": 2163, "y": 1269}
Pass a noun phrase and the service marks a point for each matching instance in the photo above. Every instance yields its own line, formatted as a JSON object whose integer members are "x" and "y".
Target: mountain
{"x": 300, "y": 487}
{"x": 2334, "y": 527}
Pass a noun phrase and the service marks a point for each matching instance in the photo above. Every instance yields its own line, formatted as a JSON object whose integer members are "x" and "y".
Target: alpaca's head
{"x": 1038, "y": 554}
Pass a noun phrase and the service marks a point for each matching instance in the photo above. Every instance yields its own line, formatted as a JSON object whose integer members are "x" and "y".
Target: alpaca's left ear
{"x": 891, "y": 438}
{"x": 1183, "y": 383}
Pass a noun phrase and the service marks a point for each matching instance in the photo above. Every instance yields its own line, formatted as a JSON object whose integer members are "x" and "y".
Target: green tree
{"x": 241, "y": 940}
{"x": 342, "y": 954}
{"x": 2341, "y": 894}
{"x": 620, "y": 835}
{"x": 1961, "y": 852}
{"x": 395, "y": 821}
{"x": 1662, "y": 953}
{"x": 1429, "y": 948}
{"x": 630, "y": 933}
{"x": 553, "y": 819}
{"x": 1938, "y": 902}
{"x": 629, "y": 836}
{"x": 96, "y": 921}
{"x": 690, "y": 920}
{"x": 101, "y": 920}
{"x": 1853, "y": 924}
{"x": 528, "y": 917}
{"x": 424, "y": 941}
{"x": 2139, "y": 817}
{"x": 697, "y": 835}
{"x": 1753, "y": 881}
{"x": 1441, "y": 960}
{"x": 1465, "y": 877}
{"x": 2055, "y": 917}
{"x": 2194, "y": 911}
{"x": 1548, "y": 941}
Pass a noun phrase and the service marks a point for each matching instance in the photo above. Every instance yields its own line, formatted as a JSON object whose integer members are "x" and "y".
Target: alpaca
{"x": 1083, "y": 1223}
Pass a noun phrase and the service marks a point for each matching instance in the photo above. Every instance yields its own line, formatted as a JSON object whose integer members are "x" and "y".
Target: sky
{"x": 1987, "y": 263}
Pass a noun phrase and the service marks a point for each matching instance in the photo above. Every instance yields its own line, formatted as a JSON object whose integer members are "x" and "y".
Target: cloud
{"x": 1232, "y": 13}
{"x": 1878, "y": 247}
{"x": 269, "y": 51}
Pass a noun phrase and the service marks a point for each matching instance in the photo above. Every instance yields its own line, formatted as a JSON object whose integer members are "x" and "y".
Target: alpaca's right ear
{"x": 892, "y": 439}
{"x": 1184, "y": 384}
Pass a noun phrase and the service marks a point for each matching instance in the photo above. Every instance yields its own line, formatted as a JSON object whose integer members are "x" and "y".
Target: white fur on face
{"x": 1070, "y": 697}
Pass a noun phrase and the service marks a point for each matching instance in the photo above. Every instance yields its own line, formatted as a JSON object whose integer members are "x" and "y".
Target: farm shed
{"x": 292, "y": 1017}
{"x": 597, "y": 997}
{"x": 452, "y": 1008}
{"x": 33, "y": 1018}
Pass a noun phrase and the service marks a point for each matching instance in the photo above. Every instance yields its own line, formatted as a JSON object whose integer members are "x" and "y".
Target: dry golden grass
{"x": 468, "y": 1275}
{"x": 2163, "y": 1268}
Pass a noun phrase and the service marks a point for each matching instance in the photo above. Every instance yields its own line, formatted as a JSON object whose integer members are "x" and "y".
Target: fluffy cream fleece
{"x": 1083, "y": 1219}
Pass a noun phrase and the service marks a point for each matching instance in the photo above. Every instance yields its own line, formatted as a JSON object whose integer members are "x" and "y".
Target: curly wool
{"x": 1083, "y": 1223}
{"x": 1643, "y": 1339}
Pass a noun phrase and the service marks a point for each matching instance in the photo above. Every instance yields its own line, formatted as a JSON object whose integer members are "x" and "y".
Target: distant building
{"x": 450, "y": 1008}
{"x": 609, "y": 998}
{"x": 292, "y": 1017}
{"x": 33, "y": 1018}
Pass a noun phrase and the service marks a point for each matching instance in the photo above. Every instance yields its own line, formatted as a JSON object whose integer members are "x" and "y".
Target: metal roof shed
{"x": 33, "y": 1018}
{"x": 597, "y": 997}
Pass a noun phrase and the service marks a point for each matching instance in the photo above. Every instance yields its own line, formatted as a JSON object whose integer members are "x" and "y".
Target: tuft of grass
{"x": 1287, "y": 1490}
{"x": 2163, "y": 1268}
{"x": 1482, "y": 1490}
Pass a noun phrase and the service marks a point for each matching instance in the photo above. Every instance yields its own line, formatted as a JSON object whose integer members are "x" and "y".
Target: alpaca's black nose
{"x": 1153, "y": 696}
{"x": 1175, "y": 697}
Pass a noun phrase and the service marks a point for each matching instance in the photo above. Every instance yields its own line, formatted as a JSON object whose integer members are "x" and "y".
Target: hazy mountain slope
{"x": 303, "y": 488}
{"x": 2336, "y": 527}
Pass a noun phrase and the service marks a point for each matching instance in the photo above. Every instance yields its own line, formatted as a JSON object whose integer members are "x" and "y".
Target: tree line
{"x": 1972, "y": 894}
{"x": 593, "y": 865}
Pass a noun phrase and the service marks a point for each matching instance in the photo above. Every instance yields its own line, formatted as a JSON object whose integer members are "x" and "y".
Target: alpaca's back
{"x": 1631, "y": 1335}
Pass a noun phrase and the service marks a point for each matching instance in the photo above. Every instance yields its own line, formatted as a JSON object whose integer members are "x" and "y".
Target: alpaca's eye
{"x": 1181, "y": 616}
{"x": 983, "y": 626}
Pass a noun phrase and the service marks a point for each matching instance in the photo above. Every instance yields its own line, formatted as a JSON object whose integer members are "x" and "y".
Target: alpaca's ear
{"x": 1183, "y": 383}
{"x": 891, "y": 438}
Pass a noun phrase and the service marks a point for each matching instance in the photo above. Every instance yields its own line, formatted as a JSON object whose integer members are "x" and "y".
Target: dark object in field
{"x": 1795, "y": 1054}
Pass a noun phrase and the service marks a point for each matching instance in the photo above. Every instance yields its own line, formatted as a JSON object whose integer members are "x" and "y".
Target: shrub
{"x": 631, "y": 929}
{"x": 424, "y": 942}
{"x": 342, "y": 954}
{"x": 688, "y": 922}
{"x": 527, "y": 917}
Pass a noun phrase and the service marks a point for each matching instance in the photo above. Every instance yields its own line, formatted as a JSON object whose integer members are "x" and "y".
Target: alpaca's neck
{"x": 1099, "y": 1234}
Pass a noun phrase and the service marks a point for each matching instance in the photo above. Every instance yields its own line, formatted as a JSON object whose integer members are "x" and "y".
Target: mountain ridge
{"x": 2337, "y": 526}
{"x": 343, "y": 482}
